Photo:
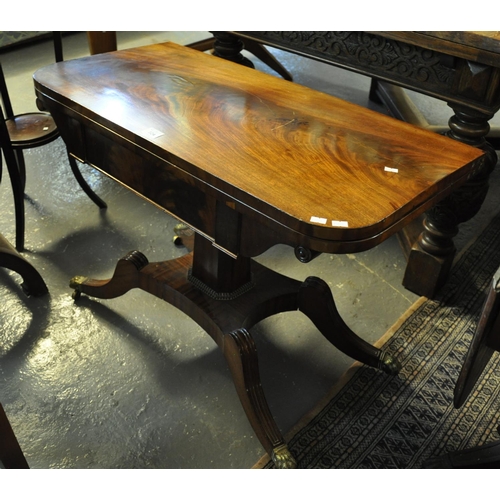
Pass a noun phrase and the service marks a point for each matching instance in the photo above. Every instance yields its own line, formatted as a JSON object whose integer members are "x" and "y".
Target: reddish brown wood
{"x": 320, "y": 156}
{"x": 246, "y": 159}
{"x": 459, "y": 68}
{"x": 227, "y": 320}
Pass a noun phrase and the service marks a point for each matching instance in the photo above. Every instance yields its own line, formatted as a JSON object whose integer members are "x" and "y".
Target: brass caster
{"x": 183, "y": 234}
{"x": 282, "y": 458}
{"x": 389, "y": 364}
{"x": 75, "y": 283}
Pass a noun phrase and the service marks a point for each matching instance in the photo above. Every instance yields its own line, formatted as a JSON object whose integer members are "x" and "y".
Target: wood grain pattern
{"x": 285, "y": 151}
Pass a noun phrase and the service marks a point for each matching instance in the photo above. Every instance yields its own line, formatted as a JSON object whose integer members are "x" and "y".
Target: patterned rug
{"x": 374, "y": 421}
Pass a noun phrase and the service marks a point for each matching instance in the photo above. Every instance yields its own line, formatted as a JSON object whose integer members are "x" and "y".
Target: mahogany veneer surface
{"x": 292, "y": 154}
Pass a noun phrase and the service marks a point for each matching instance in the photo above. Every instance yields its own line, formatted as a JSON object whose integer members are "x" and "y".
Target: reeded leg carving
{"x": 432, "y": 254}
{"x": 125, "y": 277}
{"x": 317, "y": 303}
{"x": 241, "y": 355}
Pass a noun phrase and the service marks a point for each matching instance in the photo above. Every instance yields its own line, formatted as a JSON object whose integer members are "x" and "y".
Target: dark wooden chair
{"x": 11, "y": 455}
{"x": 485, "y": 343}
{"x": 26, "y": 131}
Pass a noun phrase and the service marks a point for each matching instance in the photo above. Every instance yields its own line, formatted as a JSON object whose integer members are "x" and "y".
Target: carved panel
{"x": 359, "y": 49}
{"x": 429, "y": 72}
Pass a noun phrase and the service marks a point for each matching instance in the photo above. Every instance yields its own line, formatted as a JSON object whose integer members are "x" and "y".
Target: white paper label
{"x": 318, "y": 220}
{"x": 340, "y": 223}
{"x": 151, "y": 133}
{"x": 389, "y": 169}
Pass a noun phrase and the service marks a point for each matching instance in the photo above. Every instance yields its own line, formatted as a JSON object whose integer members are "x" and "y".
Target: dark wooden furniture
{"x": 485, "y": 342}
{"x": 27, "y": 131}
{"x": 461, "y": 68}
{"x": 11, "y": 455}
{"x": 33, "y": 283}
{"x": 248, "y": 161}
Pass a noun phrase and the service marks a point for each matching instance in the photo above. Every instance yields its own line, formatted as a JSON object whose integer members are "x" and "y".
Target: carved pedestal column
{"x": 432, "y": 254}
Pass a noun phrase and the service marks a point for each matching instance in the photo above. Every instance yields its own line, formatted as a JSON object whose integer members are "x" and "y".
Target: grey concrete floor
{"x": 132, "y": 382}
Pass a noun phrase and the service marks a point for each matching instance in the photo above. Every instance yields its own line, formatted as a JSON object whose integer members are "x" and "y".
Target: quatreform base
{"x": 227, "y": 318}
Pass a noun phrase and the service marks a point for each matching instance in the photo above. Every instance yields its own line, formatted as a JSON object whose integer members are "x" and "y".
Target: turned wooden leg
{"x": 229, "y": 47}
{"x": 258, "y": 50}
{"x": 316, "y": 302}
{"x": 241, "y": 355}
{"x": 432, "y": 254}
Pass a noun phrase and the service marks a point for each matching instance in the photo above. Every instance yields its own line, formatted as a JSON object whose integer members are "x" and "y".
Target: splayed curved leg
{"x": 317, "y": 303}
{"x": 125, "y": 277}
{"x": 83, "y": 184}
{"x": 241, "y": 355}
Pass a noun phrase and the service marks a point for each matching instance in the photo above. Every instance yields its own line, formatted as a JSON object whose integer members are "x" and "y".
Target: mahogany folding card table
{"x": 248, "y": 161}
{"x": 460, "y": 68}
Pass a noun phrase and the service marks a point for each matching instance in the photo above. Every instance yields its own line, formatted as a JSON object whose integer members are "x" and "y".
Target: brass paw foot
{"x": 389, "y": 364}
{"x": 282, "y": 458}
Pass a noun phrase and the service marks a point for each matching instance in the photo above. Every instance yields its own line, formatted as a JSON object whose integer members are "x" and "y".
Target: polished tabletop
{"x": 311, "y": 162}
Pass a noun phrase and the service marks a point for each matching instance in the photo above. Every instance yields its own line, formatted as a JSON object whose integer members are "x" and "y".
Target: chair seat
{"x": 26, "y": 131}
{"x": 31, "y": 130}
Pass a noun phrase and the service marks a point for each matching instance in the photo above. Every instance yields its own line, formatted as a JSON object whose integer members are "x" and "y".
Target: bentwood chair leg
{"x": 22, "y": 168}
{"x": 18, "y": 193}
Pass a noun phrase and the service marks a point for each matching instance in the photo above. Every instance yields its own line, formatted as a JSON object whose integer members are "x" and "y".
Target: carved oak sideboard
{"x": 461, "y": 68}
